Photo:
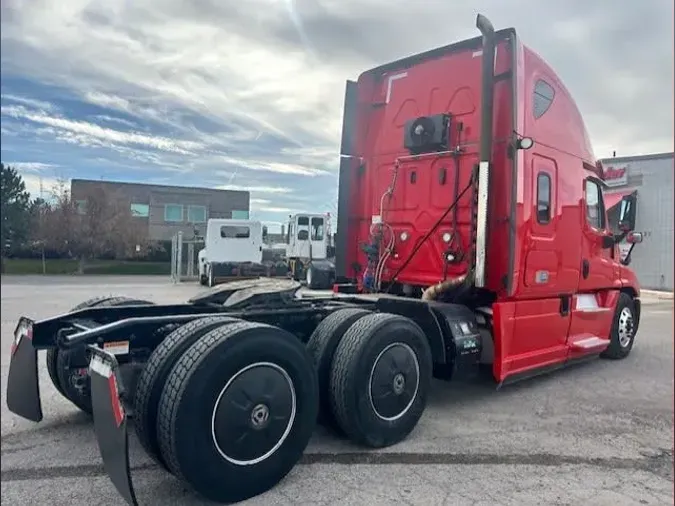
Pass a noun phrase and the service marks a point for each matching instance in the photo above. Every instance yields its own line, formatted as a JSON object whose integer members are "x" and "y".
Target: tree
{"x": 15, "y": 210}
{"x": 99, "y": 225}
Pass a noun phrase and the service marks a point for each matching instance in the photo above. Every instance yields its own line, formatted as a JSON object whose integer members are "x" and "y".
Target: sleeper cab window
{"x": 234, "y": 232}
{"x": 543, "y": 98}
{"x": 543, "y": 198}
{"x": 595, "y": 211}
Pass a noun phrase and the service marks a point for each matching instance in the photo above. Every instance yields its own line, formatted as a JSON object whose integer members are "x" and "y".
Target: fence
{"x": 184, "y": 258}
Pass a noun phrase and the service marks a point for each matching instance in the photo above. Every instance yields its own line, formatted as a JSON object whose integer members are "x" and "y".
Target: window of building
{"x": 317, "y": 229}
{"x": 239, "y": 215}
{"x": 196, "y": 214}
{"x": 140, "y": 210}
{"x": 232, "y": 232}
{"x": 303, "y": 228}
{"x": 543, "y": 98}
{"x": 173, "y": 212}
{"x": 595, "y": 210}
{"x": 543, "y": 198}
{"x": 81, "y": 206}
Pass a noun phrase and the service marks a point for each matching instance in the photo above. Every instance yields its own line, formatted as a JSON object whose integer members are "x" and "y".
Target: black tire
{"x": 73, "y": 384}
{"x": 52, "y": 353}
{"x": 203, "y": 280}
{"x": 313, "y": 277}
{"x": 154, "y": 376}
{"x": 210, "y": 277}
{"x": 395, "y": 349}
{"x": 189, "y": 401}
{"x": 321, "y": 348}
{"x": 624, "y": 329}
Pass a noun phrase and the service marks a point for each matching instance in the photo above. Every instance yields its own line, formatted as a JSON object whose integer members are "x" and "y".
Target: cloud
{"x": 30, "y": 166}
{"x": 250, "y": 94}
{"x": 255, "y": 189}
{"x": 91, "y": 134}
{"x": 31, "y": 102}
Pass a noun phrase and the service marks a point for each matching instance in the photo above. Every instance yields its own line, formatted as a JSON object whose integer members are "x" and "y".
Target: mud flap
{"x": 110, "y": 421}
{"x": 23, "y": 386}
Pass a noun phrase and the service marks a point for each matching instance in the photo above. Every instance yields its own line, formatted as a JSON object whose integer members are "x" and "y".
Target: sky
{"x": 249, "y": 94}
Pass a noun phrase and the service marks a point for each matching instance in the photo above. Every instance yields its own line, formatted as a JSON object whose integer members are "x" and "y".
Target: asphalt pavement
{"x": 597, "y": 434}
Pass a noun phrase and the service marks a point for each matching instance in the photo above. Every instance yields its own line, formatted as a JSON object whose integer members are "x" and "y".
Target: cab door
{"x": 593, "y": 305}
{"x": 597, "y": 264}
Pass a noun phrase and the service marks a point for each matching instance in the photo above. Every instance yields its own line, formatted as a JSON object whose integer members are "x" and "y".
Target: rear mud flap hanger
{"x": 110, "y": 421}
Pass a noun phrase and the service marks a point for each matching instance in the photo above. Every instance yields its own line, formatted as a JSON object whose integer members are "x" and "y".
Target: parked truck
{"x": 236, "y": 249}
{"x": 471, "y": 230}
{"x": 309, "y": 250}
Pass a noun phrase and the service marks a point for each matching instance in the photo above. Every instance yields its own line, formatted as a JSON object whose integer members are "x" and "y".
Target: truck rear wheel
{"x": 73, "y": 383}
{"x": 380, "y": 379}
{"x": 238, "y": 410}
{"x": 624, "y": 328}
{"x": 321, "y": 347}
{"x": 154, "y": 376}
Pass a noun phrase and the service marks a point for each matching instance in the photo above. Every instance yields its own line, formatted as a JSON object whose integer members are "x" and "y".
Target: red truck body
{"x": 551, "y": 283}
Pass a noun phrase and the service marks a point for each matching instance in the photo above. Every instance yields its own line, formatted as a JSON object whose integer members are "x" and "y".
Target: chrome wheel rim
{"x": 626, "y": 327}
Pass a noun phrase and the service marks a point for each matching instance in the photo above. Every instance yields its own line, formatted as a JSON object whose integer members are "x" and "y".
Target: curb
{"x": 654, "y": 294}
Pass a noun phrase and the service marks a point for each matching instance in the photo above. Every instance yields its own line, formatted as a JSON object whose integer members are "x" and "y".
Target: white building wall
{"x": 652, "y": 177}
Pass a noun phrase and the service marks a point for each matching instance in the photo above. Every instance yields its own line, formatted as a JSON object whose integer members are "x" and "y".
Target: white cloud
{"x": 255, "y": 189}
{"x": 90, "y": 134}
{"x": 110, "y": 119}
{"x": 30, "y": 166}
{"x": 31, "y": 102}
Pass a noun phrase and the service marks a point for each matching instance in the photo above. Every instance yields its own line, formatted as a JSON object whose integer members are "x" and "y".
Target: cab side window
{"x": 542, "y": 99}
{"x": 543, "y": 198}
{"x": 595, "y": 209}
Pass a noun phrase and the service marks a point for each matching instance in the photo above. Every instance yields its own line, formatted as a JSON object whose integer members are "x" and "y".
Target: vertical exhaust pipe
{"x": 485, "y": 154}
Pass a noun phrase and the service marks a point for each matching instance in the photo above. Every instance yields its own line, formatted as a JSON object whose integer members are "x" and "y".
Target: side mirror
{"x": 634, "y": 238}
{"x": 264, "y": 231}
{"x": 627, "y": 213}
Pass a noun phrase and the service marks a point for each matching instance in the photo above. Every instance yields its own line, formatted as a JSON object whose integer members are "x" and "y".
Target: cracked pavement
{"x": 600, "y": 433}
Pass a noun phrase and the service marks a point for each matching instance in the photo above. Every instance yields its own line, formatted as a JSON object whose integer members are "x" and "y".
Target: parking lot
{"x": 600, "y": 433}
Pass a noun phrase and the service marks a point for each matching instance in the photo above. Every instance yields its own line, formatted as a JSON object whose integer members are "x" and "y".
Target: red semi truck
{"x": 472, "y": 229}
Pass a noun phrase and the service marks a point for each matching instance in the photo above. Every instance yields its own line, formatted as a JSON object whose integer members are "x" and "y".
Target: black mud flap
{"x": 110, "y": 421}
{"x": 23, "y": 387}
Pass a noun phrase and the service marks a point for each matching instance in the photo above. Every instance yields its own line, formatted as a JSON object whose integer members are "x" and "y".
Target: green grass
{"x": 92, "y": 267}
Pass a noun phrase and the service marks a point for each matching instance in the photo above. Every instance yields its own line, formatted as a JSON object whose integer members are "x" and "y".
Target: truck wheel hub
{"x": 253, "y": 414}
{"x": 260, "y": 415}
{"x": 394, "y": 381}
{"x": 398, "y": 384}
{"x": 78, "y": 380}
{"x": 626, "y": 327}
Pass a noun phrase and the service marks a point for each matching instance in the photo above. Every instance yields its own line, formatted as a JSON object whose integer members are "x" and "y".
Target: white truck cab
{"x": 229, "y": 242}
{"x": 309, "y": 249}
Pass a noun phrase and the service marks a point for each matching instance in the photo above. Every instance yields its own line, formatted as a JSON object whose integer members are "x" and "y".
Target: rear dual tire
{"x": 155, "y": 374}
{"x": 238, "y": 409}
{"x": 374, "y": 372}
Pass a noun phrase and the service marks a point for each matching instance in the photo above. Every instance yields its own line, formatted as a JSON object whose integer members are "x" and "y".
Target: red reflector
{"x": 117, "y": 409}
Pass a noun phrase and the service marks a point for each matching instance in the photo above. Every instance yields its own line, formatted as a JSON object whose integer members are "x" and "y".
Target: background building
{"x": 651, "y": 177}
{"x": 169, "y": 209}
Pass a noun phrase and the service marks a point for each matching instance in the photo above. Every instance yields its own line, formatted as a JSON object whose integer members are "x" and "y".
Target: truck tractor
{"x": 309, "y": 250}
{"x": 472, "y": 233}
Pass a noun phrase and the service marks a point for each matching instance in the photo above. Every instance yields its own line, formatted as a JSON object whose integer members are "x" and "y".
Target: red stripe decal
{"x": 117, "y": 409}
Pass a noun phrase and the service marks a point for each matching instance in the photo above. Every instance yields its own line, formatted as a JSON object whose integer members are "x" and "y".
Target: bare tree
{"x": 97, "y": 225}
